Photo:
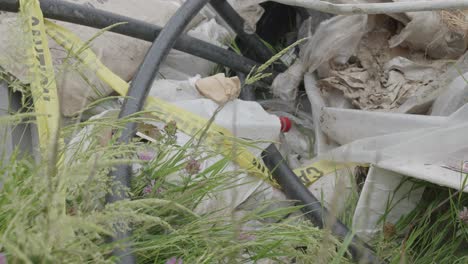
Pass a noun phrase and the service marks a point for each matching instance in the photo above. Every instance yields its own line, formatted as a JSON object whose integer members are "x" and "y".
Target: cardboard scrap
{"x": 219, "y": 88}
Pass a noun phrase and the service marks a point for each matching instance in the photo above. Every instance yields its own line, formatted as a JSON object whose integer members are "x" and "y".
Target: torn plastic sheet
{"x": 440, "y": 34}
{"x": 336, "y": 38}
{"x": 381, "y": 77}
{"x": 386, "y": 187}
{"x": 423, "y": 151}
{"x": 250, "y": 11}
{"x": 334, "y": 122}
{"x": 388, "y": 89}
{"x": 399, "y": 146}
{"x": 385, "y": 197}
{"x": 453, "y": 93}
{"x": 244, "y": 119}
{"x": 452, "y": 98}
{"x": 322, "y": 142}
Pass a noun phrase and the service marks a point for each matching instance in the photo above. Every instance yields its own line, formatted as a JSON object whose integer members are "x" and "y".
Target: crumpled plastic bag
{"x": 423, "y": 147}
{"x": 384, "y": 78}
{"x": 250, "y": 11}
{"x": 454, "y": 89}
{"x": 285, "y": 85}
{"x": 367, "y": 214}
{"x": 335, "y": 39}
{"x": 440, "y": 34}
{"x": 452, "y": 98}
{"x": 400, "y": 79}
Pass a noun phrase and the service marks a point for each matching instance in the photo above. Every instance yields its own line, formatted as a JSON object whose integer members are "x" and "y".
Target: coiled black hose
{"x": 248, "y": 91}
{"x": 137, "y": 94}
{"x": 237, "y": 23}
{"x": 92, "y": 17}
{"x": 293, "y": 188}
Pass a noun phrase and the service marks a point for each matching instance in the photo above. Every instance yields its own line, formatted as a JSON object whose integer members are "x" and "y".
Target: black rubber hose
{"x": 137, "y": 94}
{"x": 92, "y": 17}
{"x": 293, "y": 188}
{"x": 248, "y": 91}
{"x": 237, "y": 23}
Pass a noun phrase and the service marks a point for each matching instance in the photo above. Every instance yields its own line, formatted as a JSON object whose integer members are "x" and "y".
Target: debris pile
{"x": 362, "y": 102}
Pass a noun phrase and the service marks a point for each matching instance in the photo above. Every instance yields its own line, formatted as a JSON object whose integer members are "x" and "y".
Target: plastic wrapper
{"x": 335, "y": 39}
{"x": 250, "y": 11}
{"x": 285, "y": 85}
{"x": 454, "y": 92}
{"x": 426, "y": 153}
{"x": 385, "y": 78}
{"x": 440, "y": 34}
{"x": 385, "y": 197}
{"x": 322, "y": 141}
{"x": 451, "y": 99}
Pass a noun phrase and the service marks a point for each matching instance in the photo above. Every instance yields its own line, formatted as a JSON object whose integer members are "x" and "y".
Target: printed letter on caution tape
{"x": 43, "y": 86}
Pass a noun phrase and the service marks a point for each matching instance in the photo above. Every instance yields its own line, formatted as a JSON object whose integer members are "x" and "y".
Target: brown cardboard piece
{"x": 219, "y": 88}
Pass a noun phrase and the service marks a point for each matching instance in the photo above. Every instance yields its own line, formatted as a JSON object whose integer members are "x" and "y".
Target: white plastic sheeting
{"x": 243, "y": 119}
{"x": 428, "y": 148}
{"x": 335, "y": 39}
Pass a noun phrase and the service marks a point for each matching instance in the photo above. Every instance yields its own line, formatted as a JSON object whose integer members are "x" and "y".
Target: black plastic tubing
{"x": 293, "y": 188}
{"x": 92, "y": 17}
{"x": 136, "y": 97}
{"x": 236, "y": 22}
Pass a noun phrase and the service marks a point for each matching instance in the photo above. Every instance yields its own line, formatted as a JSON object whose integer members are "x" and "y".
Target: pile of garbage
{"x": 391, "y": 92}
{"x": 383, "y": 92}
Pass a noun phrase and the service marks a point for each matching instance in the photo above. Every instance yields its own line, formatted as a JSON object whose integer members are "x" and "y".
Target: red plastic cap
{"x": 285, "y": 124}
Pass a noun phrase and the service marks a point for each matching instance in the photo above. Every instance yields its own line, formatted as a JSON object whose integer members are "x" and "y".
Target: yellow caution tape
{"x": 43, "y": 86}
{"x": 315, "y": 171}
{"x": 216, "y": 136}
